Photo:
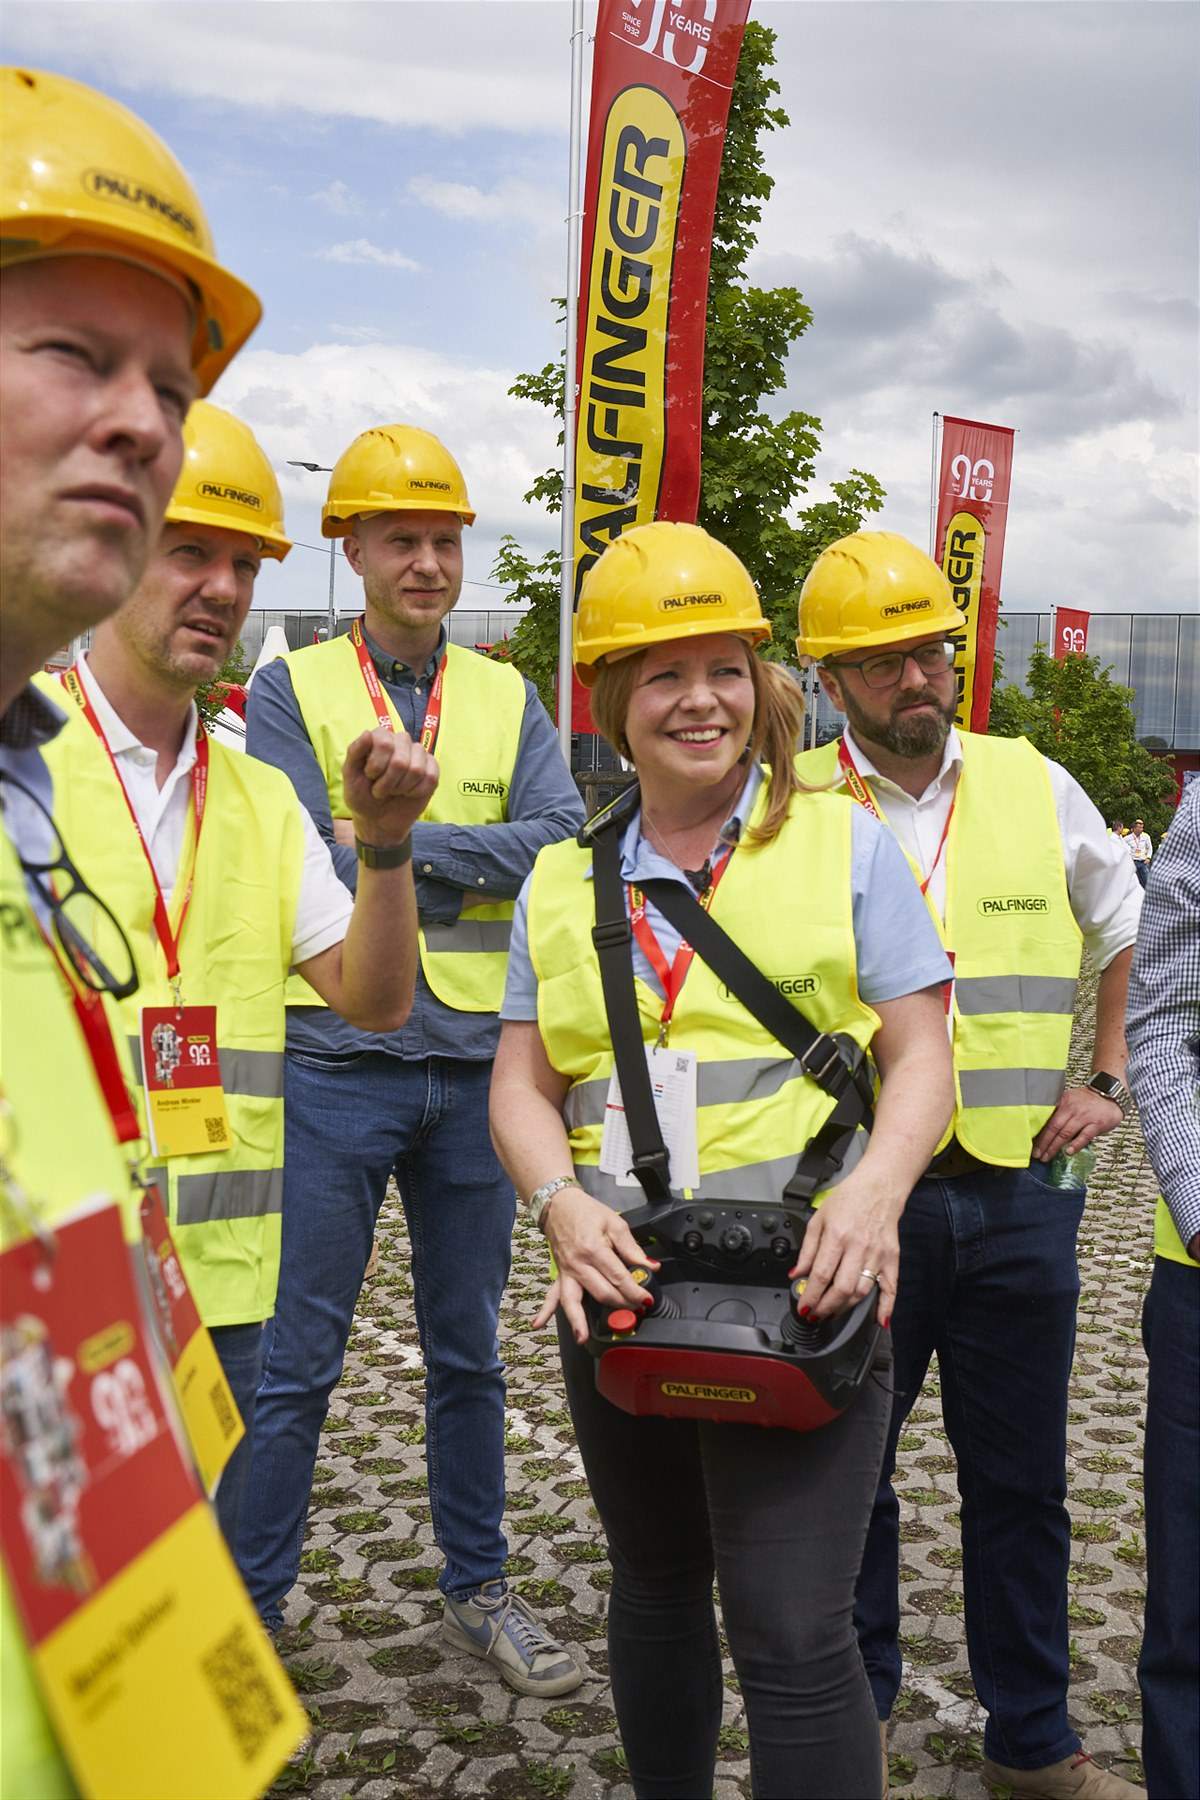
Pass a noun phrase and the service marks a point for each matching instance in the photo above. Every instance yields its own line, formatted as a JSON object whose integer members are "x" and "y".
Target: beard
{"x": 912, "y": 738}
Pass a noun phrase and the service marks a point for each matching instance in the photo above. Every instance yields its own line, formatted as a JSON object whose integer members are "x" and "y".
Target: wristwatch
{"x": 1112, "y": 1088}
{"x": 536, "y": 1203}
{"x": 376, "y": 856}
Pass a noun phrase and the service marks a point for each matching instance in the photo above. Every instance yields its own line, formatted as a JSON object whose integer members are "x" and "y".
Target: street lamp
{"x": 320, "y": 469}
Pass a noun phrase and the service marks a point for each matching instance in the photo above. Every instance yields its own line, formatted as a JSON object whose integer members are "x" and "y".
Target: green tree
{"x": 1076, "y": 713}
{"x": 753, "y": 467}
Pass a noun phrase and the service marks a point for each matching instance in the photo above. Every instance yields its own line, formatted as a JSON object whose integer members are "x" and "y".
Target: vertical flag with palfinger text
{"x": 661, "y": 83}
{"x": 974, "y": 475}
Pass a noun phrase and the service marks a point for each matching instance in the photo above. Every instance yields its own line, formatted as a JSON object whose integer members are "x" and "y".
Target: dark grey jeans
{"x": 781, "y": 1517}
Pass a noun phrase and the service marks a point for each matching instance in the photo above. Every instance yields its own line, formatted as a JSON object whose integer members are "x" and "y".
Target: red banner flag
{"x": 1070, "y": 632}
{"x": 973, "y": 484}
{"x": 661, "y": 82}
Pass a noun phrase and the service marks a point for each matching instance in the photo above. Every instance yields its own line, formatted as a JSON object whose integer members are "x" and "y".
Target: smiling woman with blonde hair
{"x": 665, "y": 636}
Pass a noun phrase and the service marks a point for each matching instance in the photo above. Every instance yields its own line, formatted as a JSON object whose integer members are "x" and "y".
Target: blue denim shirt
{"x": 543, "y": 806}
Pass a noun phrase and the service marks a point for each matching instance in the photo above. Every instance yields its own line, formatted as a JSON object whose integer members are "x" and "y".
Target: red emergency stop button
{"x": 622, "y": 1321}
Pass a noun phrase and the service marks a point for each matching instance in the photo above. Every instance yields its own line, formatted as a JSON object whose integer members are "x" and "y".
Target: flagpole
{"x": 566, "y": 603}
{"x": 933, "y": 493}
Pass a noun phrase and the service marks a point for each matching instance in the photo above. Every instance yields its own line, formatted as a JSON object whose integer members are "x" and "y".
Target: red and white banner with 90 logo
{"x": 1070, "y": 632}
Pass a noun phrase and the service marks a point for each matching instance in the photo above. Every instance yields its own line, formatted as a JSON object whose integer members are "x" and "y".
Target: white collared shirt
{"x": 324, "y": 906}
{"x": 1105, "y": 895}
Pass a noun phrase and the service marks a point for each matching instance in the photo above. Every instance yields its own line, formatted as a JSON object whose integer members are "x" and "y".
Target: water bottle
{"x": 1072, "y": 1171}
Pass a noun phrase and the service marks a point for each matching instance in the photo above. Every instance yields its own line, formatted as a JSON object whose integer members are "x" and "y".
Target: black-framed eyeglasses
{"x": 87, "y": 931}
{"x": 884, "y": 671}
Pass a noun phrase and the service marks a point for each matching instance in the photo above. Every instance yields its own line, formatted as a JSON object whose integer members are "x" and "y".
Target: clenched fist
{"x": 388, "y": 782}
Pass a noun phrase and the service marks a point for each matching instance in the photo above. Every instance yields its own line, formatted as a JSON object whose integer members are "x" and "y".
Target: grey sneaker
{"x": 503, "y": 1628}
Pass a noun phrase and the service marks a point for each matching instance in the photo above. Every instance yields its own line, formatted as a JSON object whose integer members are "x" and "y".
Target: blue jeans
{"x": 1169, "y": 1665}
{"x": 989, "y": 1284}
{"x": 239, "y": 1350}
{"x": 351, "y": 1121}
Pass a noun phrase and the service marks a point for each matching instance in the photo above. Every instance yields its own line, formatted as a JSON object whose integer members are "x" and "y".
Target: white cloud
{"x": 510, "y": 202}
{"x": 338, "y": 199}
{"x": 362, "y": 250}
{"x": 459, "y": 65}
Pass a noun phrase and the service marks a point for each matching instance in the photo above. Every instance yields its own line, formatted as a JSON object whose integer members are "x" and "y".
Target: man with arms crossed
{"x": 414, "y": 1102}
{"x": 219, "y": 878}
{"x": 1018, "y": 870}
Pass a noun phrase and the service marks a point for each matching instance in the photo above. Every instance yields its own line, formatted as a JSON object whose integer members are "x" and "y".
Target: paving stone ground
{"x": 396, "y": 1715}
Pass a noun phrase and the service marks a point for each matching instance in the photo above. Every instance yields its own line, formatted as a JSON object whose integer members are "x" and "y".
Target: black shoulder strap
{"x": 833, "y": 1063}
{"x": 613, "y": 938}
{"x": 836, "y": 1064}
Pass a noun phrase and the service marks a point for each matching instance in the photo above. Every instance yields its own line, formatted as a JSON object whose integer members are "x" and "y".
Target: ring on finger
{"x": 868, "y": 1275}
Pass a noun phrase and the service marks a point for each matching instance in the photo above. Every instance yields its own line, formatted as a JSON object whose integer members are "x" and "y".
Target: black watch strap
{"x": 376, "y": 856}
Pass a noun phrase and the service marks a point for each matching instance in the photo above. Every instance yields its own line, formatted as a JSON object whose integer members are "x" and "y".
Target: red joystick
{"x": 623, "y": 1320}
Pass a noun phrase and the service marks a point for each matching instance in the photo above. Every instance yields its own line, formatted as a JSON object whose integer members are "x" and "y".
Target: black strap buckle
{"x": 611, "y": 934}
{"x": 827, "y": 1049}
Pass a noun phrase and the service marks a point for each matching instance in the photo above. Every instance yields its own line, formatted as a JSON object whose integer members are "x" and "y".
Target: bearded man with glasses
{"x": 1018, "y": 872}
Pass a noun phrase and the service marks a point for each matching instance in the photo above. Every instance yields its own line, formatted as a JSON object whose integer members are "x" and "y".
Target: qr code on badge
{"x": 234, "y": 1672}
{"x": 215, "y": 1128}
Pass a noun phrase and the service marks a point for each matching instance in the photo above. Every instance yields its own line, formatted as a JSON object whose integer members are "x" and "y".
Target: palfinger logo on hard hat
{"x": 393, "y": 468}
{"x": 80, "y": 175}
{"x": 227, "y": 480}
{"x": 103, "y": 185}
{"x": 662, "y": 581}
{"x": 872, "y": 587}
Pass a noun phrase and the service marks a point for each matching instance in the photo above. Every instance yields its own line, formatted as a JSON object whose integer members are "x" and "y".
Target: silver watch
{"x": 536, "y": 1203}
{"x": 1112, "y": 1088}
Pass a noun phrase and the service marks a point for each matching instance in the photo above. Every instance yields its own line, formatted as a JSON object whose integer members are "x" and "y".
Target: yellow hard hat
{"x": 82, "y": 176}
{"x": 393, "y": 468}
{"x": 658, "y": 582}
{"x": 227, "y": 481}
{"x": 873, "y": 587}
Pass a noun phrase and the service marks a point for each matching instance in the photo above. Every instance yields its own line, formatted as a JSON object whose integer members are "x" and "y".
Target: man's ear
{"x": 830, "y": 685}
{"x": 352, "y": 551}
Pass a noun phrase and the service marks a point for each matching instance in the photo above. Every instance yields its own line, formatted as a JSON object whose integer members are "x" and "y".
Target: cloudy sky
{"x": 991, "y": 209}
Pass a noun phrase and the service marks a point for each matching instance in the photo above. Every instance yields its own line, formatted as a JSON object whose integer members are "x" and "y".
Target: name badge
{"x": 673, "y": 1084}
{"x": 185, "y": 1103}
{"x": 151, "y": 1661}
{"x": 214, "y": 1425}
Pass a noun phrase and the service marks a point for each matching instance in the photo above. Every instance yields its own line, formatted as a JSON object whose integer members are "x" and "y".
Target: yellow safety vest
{"x": 1167, "y": 1241}
{"x": 59, "y": 1149}
{"x": 1015, "y": 941}
{"x": 483, "y": 707}
{"x": 788, "y": 905}
{"x": 235, "y": 950}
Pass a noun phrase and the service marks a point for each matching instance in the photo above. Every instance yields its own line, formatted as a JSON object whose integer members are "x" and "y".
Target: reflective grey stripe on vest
{"x": 470, "y": 936}
{"x": 255, "y": 1073}
{"x": 1015, "y": 994}
{"x": 1011, "y": 1087}
{"x": 225, "y": 1194}
{"x": 748, "y": 1078}
{"x": 763, "y": 1182}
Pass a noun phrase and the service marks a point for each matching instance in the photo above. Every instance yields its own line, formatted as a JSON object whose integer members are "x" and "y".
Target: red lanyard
{"x": 674, "y": 976}
{"x": 858, "y": 789}
{"x": 167, "y": 937}
{"x": 101, "y": 1047}
{"x": 383, "y": 716}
